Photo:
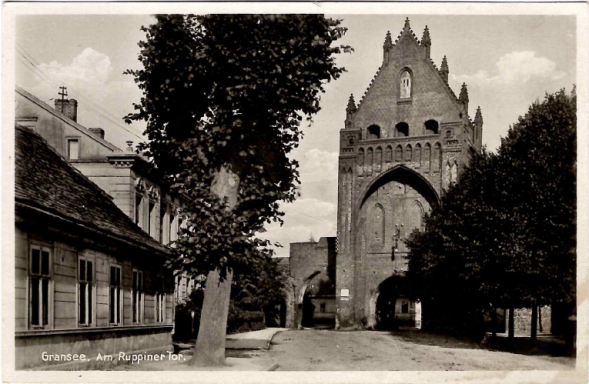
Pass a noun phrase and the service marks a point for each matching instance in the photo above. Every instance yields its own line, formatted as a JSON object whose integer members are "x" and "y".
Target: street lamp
{"x": 396, "y": 237}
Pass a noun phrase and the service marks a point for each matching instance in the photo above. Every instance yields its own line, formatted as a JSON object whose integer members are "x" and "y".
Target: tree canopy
{"x": 505, "y": 233}
{"x": 231, "y": 91}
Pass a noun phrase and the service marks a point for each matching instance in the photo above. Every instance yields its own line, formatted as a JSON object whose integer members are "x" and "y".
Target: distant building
{"x": 88, "y": 279}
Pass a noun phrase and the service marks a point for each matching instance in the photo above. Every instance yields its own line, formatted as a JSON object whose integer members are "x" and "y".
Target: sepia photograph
{"x": 331, "y": 191}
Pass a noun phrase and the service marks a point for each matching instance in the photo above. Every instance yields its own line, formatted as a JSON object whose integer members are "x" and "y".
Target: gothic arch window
{"x": 431, "y": 127}
{"x": 373, "y": 132}
{"x": 427, "y": 153}
{"x": 417, "y": 155}
{"x": 416, "y": 217}
{"x": 454, "y": 173}
{"x": 405, "y": 85}
{"x": 369, "y": 161}
{"x": 402, "y": 129}
{"x": 408, "y": 153}
{"x": 377, "y": 225}
{"x": 447, "y": 174}
{"x": 398, "y": 154}
{"x": 437, "y": 158}
{"x": 360, "y": 162}
{"x": 378, "y": 159}
{"x": 389, "y": 154}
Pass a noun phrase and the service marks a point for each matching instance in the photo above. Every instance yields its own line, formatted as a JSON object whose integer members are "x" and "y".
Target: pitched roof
{"x": 45, "y": 181}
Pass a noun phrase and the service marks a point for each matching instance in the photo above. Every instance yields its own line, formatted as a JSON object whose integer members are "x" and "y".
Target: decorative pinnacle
{"x": 351, "y": 108}
{"x": 426, "y": 40}
{"x": 444, "y": 66}
{"x": 478, "y": 117}
{"x": 388, "y": 42}
{"x": 407, "y": 26}
{"x": 463, "y": 94}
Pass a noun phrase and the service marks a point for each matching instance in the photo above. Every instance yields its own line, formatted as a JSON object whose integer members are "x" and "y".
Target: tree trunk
{"x": 210, "y": 344}
{"x": 494, "y": 323}
{"x": 540, "y": 319}
{"x": 534, "y": 322}
{"x": 511, "y": 323}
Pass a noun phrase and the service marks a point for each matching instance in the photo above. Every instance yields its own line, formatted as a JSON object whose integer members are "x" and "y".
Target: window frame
{"x": 139, "y": 203}
{"x": 69, "y": 139}
{"x": 138, "y": 296}
{"x": 42, "y": 277}
{"x": 90, "y": 321}
{"x": 410, "y": 77}
{"x": 160, "y": 299}
{"x": 119, "y": 296}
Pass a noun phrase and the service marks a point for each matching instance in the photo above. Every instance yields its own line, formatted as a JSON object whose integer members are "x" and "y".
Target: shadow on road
{"x": 544, "y": 346}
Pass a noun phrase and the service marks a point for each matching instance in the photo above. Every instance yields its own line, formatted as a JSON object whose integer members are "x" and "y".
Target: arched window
{"x": 369, "y": 161}
{"x": 405, "y": 86}
{"x": 408, "y": 153}
{"x": 417, "y": 155}
{"x": 378, "y": 225}
{"x": 431, "y": 127}
{"x": 448, "y": 134}
{"x": 389, "y": 154}
{"x": 427, "y": 153}
{"x": 398, "y": 154}
{"x": 402, "y": 130}
{"x": 373, "y": 132}
{"x": 378, "y": 159}
{"x": 453, "y": 173}
{"x": 437, "y": 158}
{"x": 360, "y": 162}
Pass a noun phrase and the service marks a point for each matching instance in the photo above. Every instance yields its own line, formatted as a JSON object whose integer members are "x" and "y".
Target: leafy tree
{"x": 224, "y": 97}
{"x": 505, "y": 234}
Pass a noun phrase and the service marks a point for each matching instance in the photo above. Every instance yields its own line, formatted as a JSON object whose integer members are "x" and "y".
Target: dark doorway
{"x": 308, "y": 311}
{"x": 385, "y": 306}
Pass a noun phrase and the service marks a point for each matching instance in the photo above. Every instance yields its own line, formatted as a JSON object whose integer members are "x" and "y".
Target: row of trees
{"x": 504, "y": 236}
{"x": 224, "y": 97}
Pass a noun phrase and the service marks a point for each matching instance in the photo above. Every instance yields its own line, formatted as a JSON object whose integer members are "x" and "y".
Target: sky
{"x": 507, "y": 62}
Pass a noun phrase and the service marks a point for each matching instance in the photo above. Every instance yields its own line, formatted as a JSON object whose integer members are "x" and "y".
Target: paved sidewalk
{"x": 252, "y": 340}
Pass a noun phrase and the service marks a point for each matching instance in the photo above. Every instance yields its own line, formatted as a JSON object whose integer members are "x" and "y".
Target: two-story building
{"x": 134, "y": 187}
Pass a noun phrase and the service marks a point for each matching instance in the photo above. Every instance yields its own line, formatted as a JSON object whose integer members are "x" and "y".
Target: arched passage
{"x": 316, "y": 302}
{"x": 392, "y": 307}
{"x": 405, "y": 175}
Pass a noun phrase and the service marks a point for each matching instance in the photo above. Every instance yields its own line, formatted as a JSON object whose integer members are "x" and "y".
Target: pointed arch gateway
{"x": 405, "y": 175}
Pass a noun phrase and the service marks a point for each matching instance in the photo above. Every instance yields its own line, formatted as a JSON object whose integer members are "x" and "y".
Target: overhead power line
{"x": 33, "y": 66}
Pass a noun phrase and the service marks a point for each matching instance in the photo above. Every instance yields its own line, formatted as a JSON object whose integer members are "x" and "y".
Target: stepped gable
{"x": 390, "y": 49}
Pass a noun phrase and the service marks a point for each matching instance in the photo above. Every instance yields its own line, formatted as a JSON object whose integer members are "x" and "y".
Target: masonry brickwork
{"x": 403, "y": 144}
{"x": 312, "y": 271}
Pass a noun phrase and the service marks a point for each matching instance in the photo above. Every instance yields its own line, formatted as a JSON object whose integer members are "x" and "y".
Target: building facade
{"x": 87, "y": 279}
{"x": 403, "y": 144}
{"x": 132, "y": 184}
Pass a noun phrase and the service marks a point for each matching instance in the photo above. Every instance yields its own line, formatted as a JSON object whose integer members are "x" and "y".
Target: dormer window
{"x": 405, "y": 90}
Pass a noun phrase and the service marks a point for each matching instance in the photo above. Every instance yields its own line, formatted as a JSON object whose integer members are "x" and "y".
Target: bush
{"x": 242, "y": 320}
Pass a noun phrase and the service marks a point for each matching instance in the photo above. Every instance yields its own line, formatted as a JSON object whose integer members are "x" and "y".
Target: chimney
{"x": 68, "y": 107}
{"x": 97, "y": 132}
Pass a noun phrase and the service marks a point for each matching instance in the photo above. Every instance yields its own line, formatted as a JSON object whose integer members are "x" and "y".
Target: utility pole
{"x": 63, "y": 94}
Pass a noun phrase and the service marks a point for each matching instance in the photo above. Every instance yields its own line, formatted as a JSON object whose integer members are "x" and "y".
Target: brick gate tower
{"x": 405, "y": 142}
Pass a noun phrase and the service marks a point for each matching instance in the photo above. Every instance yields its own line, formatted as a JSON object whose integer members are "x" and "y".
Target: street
{"x": 325, "y": 350}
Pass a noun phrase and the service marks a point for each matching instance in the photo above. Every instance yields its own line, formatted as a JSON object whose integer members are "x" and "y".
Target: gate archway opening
{"x": 393, "y": 308}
